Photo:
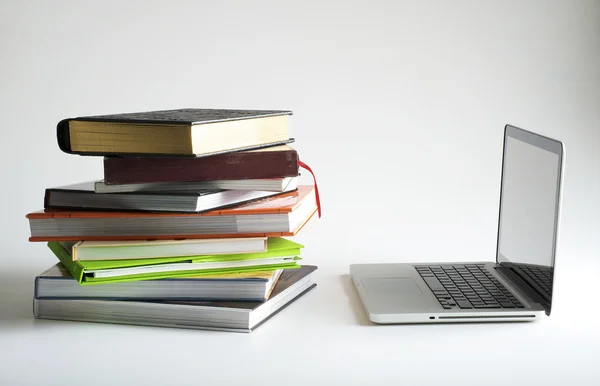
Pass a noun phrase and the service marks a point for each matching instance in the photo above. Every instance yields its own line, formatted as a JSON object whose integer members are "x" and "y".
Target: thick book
{"x": 181, "y": 132}
{"x": 271, "y": 162}
{"x": 58, "y": 283}
{"x": 148, "y": 249}
{"x": 280, "y": 254}
{"x": 83, "y": 196}
{"x": 224, "y": 316}
{"x": 281, "y": 215}
{"x": 281, "y": 184}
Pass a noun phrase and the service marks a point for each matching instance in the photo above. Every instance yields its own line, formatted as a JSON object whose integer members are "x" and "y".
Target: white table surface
{"x": 324, "y": 338}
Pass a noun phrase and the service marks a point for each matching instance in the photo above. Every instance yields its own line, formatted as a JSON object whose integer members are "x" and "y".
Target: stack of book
{"x": 187, "y": 227}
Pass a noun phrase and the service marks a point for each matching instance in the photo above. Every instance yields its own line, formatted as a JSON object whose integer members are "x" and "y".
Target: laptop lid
{"x": 529, "y": 211}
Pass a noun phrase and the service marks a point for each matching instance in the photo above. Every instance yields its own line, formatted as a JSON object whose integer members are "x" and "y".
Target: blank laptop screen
{"x": 530, "y": 194}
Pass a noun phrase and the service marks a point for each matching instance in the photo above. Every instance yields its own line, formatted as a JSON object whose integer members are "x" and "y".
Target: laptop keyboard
{"x": 540, "y": 276}
{"x": 467, "y": 286}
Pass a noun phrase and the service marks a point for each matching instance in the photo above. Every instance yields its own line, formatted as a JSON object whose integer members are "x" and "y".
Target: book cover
{"x": 271, "y": 162}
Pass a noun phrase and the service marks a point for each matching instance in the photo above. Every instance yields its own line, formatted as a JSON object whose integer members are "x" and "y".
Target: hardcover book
{"x": 182, "y": 132}
{"x": 281, "y": 215}
{"x": 215, "y": 315}
{"x": 271, "y": 162}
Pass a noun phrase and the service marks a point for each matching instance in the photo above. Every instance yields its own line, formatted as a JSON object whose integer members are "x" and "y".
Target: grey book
{"x": 224, "y": 316}
{"x": 83, "y": 196}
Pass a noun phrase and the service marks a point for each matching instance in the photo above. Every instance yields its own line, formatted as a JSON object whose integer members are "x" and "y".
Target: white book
{"x": 145, "y": 249}
{"x": 266, "y": 184}
{"x": 188, "y": 266}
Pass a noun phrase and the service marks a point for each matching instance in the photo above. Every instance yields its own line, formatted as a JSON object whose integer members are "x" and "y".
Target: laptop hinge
{"x": 508, "y": 273}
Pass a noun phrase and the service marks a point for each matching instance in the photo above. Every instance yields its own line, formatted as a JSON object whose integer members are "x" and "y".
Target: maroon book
{"x": 271, "y": 162}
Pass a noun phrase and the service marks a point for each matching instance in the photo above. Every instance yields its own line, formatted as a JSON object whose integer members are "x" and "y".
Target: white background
{"x": 399, "y": 107}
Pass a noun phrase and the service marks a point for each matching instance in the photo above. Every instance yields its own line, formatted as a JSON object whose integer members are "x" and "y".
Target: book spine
{"x": 63, "y": 136}
{"x": 35, "y": 287}
{"x": 231, "y": 166}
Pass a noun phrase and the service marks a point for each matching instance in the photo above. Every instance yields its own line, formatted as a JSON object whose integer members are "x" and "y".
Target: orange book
{"x": 281, "y": 215}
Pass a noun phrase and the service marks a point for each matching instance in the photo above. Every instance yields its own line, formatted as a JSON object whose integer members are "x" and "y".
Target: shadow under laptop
{"x": 16, "y": 299}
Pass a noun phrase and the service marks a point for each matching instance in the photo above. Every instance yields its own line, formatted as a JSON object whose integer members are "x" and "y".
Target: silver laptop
{"x": 517, "y": 286}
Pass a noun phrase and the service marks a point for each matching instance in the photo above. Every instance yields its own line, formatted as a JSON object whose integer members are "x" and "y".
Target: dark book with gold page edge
{"x": 181, "y": 132}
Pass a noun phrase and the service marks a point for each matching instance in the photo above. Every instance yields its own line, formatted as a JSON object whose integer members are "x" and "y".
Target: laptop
{"x": 518, "y": 286}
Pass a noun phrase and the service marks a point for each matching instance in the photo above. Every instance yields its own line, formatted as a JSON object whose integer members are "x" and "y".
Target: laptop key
{"x": 465, "y": 305}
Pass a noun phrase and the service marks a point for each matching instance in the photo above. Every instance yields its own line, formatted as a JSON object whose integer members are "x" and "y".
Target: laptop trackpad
{"x": 397, "y": 286}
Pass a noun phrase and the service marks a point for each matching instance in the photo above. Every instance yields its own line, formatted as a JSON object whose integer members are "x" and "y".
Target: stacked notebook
{"x": 188, "y": 227}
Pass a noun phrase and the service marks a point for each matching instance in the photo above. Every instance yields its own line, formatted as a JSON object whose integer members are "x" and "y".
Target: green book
{"x": 281, "y": 254}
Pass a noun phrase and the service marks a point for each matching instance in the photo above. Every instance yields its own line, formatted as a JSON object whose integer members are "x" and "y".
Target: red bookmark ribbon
{"x": 305, "y": 166}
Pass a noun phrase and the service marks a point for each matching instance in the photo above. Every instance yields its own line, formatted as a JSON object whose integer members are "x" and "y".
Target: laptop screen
{"x": 529, "y": 200}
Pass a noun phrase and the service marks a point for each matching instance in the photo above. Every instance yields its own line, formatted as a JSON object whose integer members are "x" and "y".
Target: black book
{"x": 181, "y": 132}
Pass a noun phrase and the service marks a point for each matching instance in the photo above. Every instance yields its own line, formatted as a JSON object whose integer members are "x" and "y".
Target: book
{"x": 215, "y": 315}
{"x": 147, "y": 249}
{"x": 280, "y": 254}
{"x": 58, "y": 283}
{"x": 82, "y": 196}
{"x": 182, "y": 132}
{"x": 281, "y": 184}
{"x": 270, "y": 162}
{"x": 281, "y": 215}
